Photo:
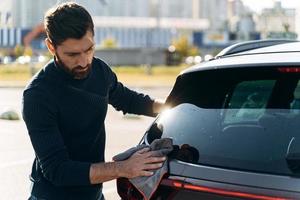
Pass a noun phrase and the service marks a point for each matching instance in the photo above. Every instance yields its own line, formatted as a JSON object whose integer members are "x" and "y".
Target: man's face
{"x": 75, "y": 55}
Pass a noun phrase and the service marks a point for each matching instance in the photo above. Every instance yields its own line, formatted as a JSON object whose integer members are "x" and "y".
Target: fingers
{"x": 147, "y": 156}
{"x": 144, "y": 150}
{"x": 153, "y": 166}
{"x": 142, "y": 163}
{"x": 141, "y": 166}
{"x": 155, "y": 159}
{"x": 146, "y": 173}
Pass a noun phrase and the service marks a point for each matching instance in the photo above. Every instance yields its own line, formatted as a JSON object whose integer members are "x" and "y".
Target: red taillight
{"x": 127, "y": 191}
{"x": 289, "y": 69}
{"x": 182, "y": 185}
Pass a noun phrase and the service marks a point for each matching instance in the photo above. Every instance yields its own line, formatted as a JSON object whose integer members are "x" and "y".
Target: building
{"x": 29, "y": 13}
{"x": 5, "y": 13}
{"x": 154, "y": 24}
{"x": 277, "y": 22}
{"x": 175, "y": 8}
{"x": 236, "y": 8}
{"x": 216, "y": 13}
{"x": 241, "y": 21}
{"x": 132, "y": 23}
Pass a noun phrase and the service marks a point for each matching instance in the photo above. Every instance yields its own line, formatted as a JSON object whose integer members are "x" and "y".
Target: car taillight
{"x": 187, "y": 186}
{"x": 289, "y": 69}
{"x": 127, "y": 191}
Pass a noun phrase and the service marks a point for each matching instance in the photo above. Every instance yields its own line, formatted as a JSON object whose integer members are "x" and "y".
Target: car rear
{"x": 236, "y": 129}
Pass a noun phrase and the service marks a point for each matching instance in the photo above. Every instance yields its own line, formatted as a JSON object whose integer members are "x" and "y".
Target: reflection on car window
{"x": 239, "y": 118}
{"x": 295, "y": 104}
{"x": 202, "y": 137}
{"x": 251, "y": 98}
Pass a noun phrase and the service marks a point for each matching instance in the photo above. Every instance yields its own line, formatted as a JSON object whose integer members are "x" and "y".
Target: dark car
{"x": 236, "y": 123}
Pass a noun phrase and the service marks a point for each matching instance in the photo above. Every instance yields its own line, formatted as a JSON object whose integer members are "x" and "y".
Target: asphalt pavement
{"x": 16, "y": 153}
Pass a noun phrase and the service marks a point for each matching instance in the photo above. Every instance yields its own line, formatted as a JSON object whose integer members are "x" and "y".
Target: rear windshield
{"x": 245, "y": 119}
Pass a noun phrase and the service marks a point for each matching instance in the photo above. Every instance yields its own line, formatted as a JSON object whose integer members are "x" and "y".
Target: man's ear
{"x": 50, "y": 46}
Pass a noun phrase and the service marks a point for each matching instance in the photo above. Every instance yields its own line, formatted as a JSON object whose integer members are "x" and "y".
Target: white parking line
{"x": 15, "y": 163}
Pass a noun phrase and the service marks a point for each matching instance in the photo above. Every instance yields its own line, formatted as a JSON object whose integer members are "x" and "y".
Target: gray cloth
{"x": 148, "y": 184}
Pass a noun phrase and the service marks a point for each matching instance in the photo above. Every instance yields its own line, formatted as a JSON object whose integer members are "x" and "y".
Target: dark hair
{"x": 67, "y": 20}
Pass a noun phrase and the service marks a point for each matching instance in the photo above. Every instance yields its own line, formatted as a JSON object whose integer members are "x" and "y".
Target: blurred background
{"x": 146, "y": 42}
{"x": 132, "y": 32}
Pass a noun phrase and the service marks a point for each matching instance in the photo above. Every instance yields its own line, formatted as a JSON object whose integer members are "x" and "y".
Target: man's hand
{"x": 140, "y": 164}
{"x": 158, "y": 106}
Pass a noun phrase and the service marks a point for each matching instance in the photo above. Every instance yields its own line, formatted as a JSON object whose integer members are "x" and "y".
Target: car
{"x": 7, "y": 59}
{"x": 235, "y": 121}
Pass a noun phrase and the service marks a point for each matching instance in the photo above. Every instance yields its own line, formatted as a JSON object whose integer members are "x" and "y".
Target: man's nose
{"x": 83, "y": 60}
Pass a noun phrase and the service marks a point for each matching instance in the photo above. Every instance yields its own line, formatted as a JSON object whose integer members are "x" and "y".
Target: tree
{"x": 184, "y": 48}
{"x": 109, "y": 43}
{"x": 18, "y": 50}
{"x": 28, "y": 51}
{"x": 181, "y": 45}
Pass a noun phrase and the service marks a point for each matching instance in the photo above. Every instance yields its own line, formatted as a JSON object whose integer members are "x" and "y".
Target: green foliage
{"x": 193, "y": 51}
{"x": 10, "y": 115}
{"x": 184, "y": 48}
{"x": 17, "y": 74}
{"x": 155, "y": 69}
{"x": 181, "y": 45}
{"x": 28, "y": 51}
{"x": 109, "y": 43}
{"x": 19, "y": 50}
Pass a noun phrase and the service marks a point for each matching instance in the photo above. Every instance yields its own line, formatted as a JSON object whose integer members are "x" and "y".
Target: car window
{"x": 251, "y": 87}
{"x": 240, "y": 118}
{"x": 295, "y": 104}
{"x": 205, "y": 139}
{"x": 251, "y": 97}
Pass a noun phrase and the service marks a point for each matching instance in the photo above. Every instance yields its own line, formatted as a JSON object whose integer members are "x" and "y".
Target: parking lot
{"x": 16, "y": 153}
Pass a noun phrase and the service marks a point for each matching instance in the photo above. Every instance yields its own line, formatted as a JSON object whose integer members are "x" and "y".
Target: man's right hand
{"x": 140, "y": 164}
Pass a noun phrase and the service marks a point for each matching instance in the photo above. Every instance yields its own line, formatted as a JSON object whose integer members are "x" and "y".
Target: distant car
{"x": 23, "y": 60}
{"x": 7, "y": 60}
{"x": 235, "y": 121}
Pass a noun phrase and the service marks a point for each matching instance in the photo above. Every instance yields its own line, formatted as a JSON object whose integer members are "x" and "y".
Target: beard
{"x": 77, "y": 72}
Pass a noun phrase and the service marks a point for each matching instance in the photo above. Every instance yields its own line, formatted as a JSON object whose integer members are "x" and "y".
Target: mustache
{"x": 80, "y": 67}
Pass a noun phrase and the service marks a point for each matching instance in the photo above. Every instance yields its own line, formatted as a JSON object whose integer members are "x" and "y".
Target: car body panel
{"x": 235, "y": 180}
{"x": 259, "y": 173}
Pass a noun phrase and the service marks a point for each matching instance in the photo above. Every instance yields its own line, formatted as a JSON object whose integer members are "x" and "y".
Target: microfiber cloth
{"x": 148, "y": 184}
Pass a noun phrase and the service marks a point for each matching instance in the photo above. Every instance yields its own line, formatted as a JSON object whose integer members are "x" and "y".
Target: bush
{"x": 109, "y": 43}
{"x": 184, "y": 48}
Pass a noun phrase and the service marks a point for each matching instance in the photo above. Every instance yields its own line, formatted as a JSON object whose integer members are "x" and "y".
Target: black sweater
{"x": 65, "y": 121}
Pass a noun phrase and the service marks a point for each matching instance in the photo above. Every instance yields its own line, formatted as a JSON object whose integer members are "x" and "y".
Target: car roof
{"x": 287, "y": 54}
{"x": 279, "y": 48}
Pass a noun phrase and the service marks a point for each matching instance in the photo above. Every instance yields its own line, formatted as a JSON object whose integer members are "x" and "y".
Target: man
{"x": 64, "y": 108}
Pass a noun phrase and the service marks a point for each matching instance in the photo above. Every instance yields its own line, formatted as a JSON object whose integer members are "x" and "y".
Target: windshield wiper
{"x": 293, "y": 155}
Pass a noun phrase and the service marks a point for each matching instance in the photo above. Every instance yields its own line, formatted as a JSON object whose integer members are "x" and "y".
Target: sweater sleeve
{"x": 40, "y": 116}
{"x": 127, "y": 100}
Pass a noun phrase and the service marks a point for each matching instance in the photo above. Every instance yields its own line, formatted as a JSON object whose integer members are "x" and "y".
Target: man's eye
{"x": 72, "y": 55}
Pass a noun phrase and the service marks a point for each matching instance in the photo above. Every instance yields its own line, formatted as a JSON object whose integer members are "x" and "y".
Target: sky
{"x": 258, "y": 5}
